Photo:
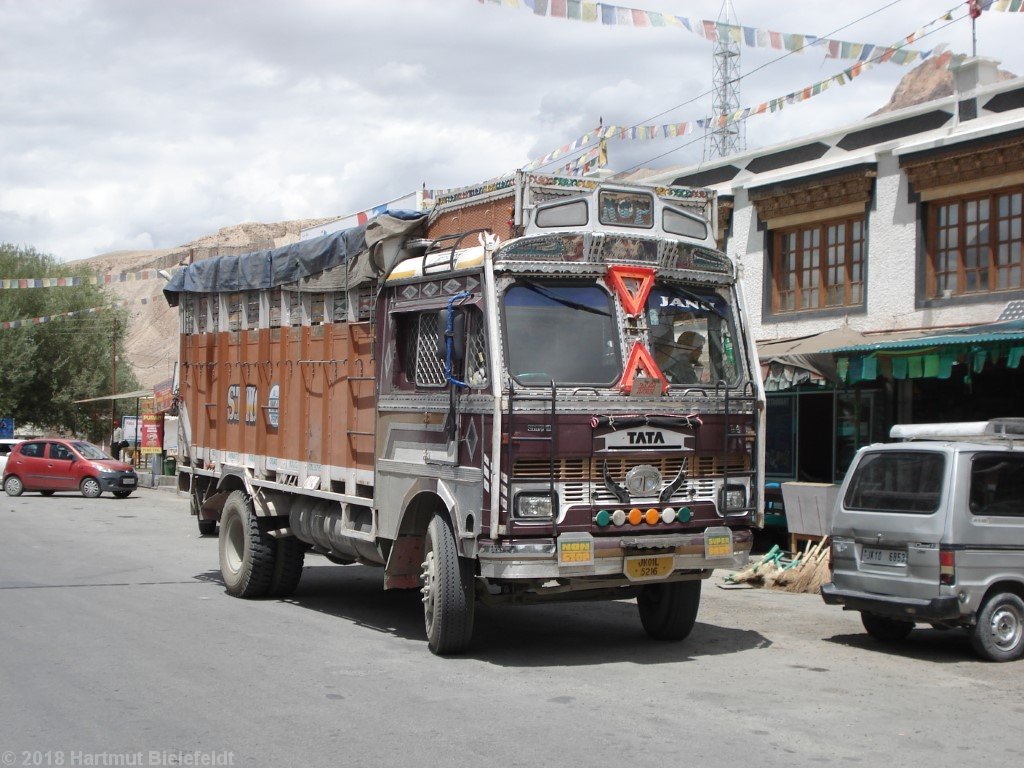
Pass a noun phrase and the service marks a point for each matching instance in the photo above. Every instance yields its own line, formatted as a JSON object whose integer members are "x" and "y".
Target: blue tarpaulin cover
{"x": 273, "y": 267}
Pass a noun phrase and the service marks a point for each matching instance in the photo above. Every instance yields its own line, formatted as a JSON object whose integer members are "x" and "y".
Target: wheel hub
{"x": 428, "y": 576}
{"x": 1006, "y": 627}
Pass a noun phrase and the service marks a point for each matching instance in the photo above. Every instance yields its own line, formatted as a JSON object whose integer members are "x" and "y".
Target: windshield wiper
{"x": 548, "y": 294}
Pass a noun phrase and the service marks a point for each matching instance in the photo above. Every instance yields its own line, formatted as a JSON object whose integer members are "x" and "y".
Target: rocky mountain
{"x": 929, "y": 80}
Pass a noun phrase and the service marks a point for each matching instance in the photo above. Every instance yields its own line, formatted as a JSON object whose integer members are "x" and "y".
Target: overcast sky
{"x": 145, "y": 124}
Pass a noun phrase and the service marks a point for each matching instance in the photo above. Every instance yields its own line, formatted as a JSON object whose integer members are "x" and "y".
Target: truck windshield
{"x": 691, "y": 338}
{"x": 561, "y": 331}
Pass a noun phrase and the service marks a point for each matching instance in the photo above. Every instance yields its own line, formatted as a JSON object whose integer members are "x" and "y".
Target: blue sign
{"x": 6, "y": 427}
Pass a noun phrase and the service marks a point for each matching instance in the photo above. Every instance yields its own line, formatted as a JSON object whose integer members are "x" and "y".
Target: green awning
{"x": 1009, "y": 330}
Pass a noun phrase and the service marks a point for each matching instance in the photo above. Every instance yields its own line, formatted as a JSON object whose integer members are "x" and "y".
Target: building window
{"x": 819, "y": 266}
{"x": 974, "y": 244}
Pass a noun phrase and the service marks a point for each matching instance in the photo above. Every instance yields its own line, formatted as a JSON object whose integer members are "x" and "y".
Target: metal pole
{"x": 113, "y": 384}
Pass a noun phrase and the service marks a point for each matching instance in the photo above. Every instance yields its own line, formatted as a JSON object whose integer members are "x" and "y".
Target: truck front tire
{"x": 449, "y": 600}
{"x": 246, "y": 551}
{"x": 669, "y": 611}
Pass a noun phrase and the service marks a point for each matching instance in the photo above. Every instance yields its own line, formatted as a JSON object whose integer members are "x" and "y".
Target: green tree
{"x": 47, "y": 367}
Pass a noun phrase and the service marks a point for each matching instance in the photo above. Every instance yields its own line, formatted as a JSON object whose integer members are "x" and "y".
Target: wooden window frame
{"x": 988, "y": 267}
{"x": 816, "y": 277}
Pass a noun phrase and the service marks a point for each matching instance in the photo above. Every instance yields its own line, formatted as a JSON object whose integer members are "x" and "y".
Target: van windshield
{"x": 897, "y": 481}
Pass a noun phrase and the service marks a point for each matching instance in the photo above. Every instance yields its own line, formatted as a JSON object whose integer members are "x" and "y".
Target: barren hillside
{"x": 153, "y": 333}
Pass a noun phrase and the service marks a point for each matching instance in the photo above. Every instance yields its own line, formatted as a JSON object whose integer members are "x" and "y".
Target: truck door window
{"x": 429, "y": 367}
{"x": 418, "y": 361}
{"x": 997, "y": 485}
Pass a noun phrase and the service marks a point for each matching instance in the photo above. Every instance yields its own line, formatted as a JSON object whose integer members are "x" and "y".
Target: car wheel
{"x": 669, "y": 611}
{"x": 884, "y": 629}
{"x": 122, "y": 494}
{"x": 47, "y": 493}
{"x": 13, "y": 485}
{"x": 999, "y": 633}
{"x": 90, "y": 487}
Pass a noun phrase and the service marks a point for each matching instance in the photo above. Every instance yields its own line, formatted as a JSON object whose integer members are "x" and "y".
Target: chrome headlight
{"x": 533, "y": 506}
{"x": 732, "y": 498}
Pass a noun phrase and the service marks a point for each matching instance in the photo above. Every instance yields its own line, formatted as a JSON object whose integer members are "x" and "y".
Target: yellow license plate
{"x": 718, "y": 543}
{"x": 648, "y": 567}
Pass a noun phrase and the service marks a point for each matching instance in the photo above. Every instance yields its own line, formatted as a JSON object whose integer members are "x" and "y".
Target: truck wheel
{"x": 884, "y": 629}
{"x": 669, "y": 611}
{"x": 448, "y": 597}
{"x": 291, "y": 553}
{"x": 246, "y": 552}
{"x": 206, "y": 527}
{"x": 999, "y": 633}
{"x": 13, "y": 485}
{"x": 90, "y": 487}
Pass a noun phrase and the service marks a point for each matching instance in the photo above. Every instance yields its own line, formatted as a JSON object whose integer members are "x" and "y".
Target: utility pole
{"x": 113, "y": 382}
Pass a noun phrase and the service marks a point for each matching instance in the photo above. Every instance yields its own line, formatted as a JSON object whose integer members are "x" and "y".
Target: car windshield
{"x": 897, "y": 481}
{"x": 89, "y": 451}
{"x": 691, "y": 338}
{"x": 561, "y": 331}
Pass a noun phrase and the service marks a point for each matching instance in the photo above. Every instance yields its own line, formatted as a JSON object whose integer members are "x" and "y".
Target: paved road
{"x": 116, "y": 638}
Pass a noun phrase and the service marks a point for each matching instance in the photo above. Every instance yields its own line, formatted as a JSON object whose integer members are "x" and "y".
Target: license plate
{"x": 876, "y": 556}
{"x": 127, "y": 481}
{"x": 718, "y": 542}
{"x": 648, "y": 567}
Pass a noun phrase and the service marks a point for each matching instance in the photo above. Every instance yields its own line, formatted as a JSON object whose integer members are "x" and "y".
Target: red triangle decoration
{"x": 640, "y": 359}
{"x": 632, "y": 300}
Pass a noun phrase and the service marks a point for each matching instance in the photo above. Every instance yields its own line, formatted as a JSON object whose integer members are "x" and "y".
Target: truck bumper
{"x": 539, "y": 559}
{"x": 945, "y": 608}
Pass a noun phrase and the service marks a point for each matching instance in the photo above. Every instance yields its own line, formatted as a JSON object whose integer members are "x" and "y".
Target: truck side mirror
{"x": 458, "y": 335}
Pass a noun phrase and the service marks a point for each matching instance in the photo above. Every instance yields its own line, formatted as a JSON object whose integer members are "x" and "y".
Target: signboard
{"x": 132, "y": 429}
{"x": 163, "y": 396}
{"x": 7, "y": 428}
{"x": 152, "y": 433}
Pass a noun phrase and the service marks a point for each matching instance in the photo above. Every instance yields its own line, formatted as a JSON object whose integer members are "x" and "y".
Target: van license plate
{"x": 875, "y": 556}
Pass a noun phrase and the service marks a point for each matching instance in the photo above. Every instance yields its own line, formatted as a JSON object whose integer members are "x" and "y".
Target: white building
{"x": 894, "y": 243}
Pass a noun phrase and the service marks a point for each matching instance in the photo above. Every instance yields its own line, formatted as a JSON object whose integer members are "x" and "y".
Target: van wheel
{"x": 999, "y": 633}
{"x": 246, "y": 551}
{"x": 448, "y": 598}
{"x": 669, "y": 611}
{"x": 884, "y": 629}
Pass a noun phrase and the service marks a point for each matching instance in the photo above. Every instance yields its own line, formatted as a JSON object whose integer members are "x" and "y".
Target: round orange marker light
{"x": 635, "y": 516}
{"x": 653, "y": 517}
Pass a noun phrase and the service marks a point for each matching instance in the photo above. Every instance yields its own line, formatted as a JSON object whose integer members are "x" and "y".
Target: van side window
{"x": 897, "y": 481}
{"x": 997, "y": 484}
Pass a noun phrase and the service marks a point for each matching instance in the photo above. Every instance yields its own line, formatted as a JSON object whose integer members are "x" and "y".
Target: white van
{"x": 931, "y": 530}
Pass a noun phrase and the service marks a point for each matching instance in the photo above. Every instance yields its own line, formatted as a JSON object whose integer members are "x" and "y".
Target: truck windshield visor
{"x": 562, "y": 332}
{"x": 897, "y": 481}
{"x": 691, "y": 336}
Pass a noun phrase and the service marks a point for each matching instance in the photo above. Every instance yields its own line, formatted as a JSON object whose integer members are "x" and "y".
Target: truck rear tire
{"x": 206, "y": 527}
{"x": 449, "y": 600}
{"x": 288, "y": 561}
{"x": 246, "y": 551}
{"x": 669, "y": 611}
{"x": 999, "y": 633}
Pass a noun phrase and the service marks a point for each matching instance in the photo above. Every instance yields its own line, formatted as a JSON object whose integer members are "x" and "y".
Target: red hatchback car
{"x": 52, "y": 465}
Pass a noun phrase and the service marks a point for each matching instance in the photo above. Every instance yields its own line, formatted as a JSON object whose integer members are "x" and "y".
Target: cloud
{"x": 127, "y": 124}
